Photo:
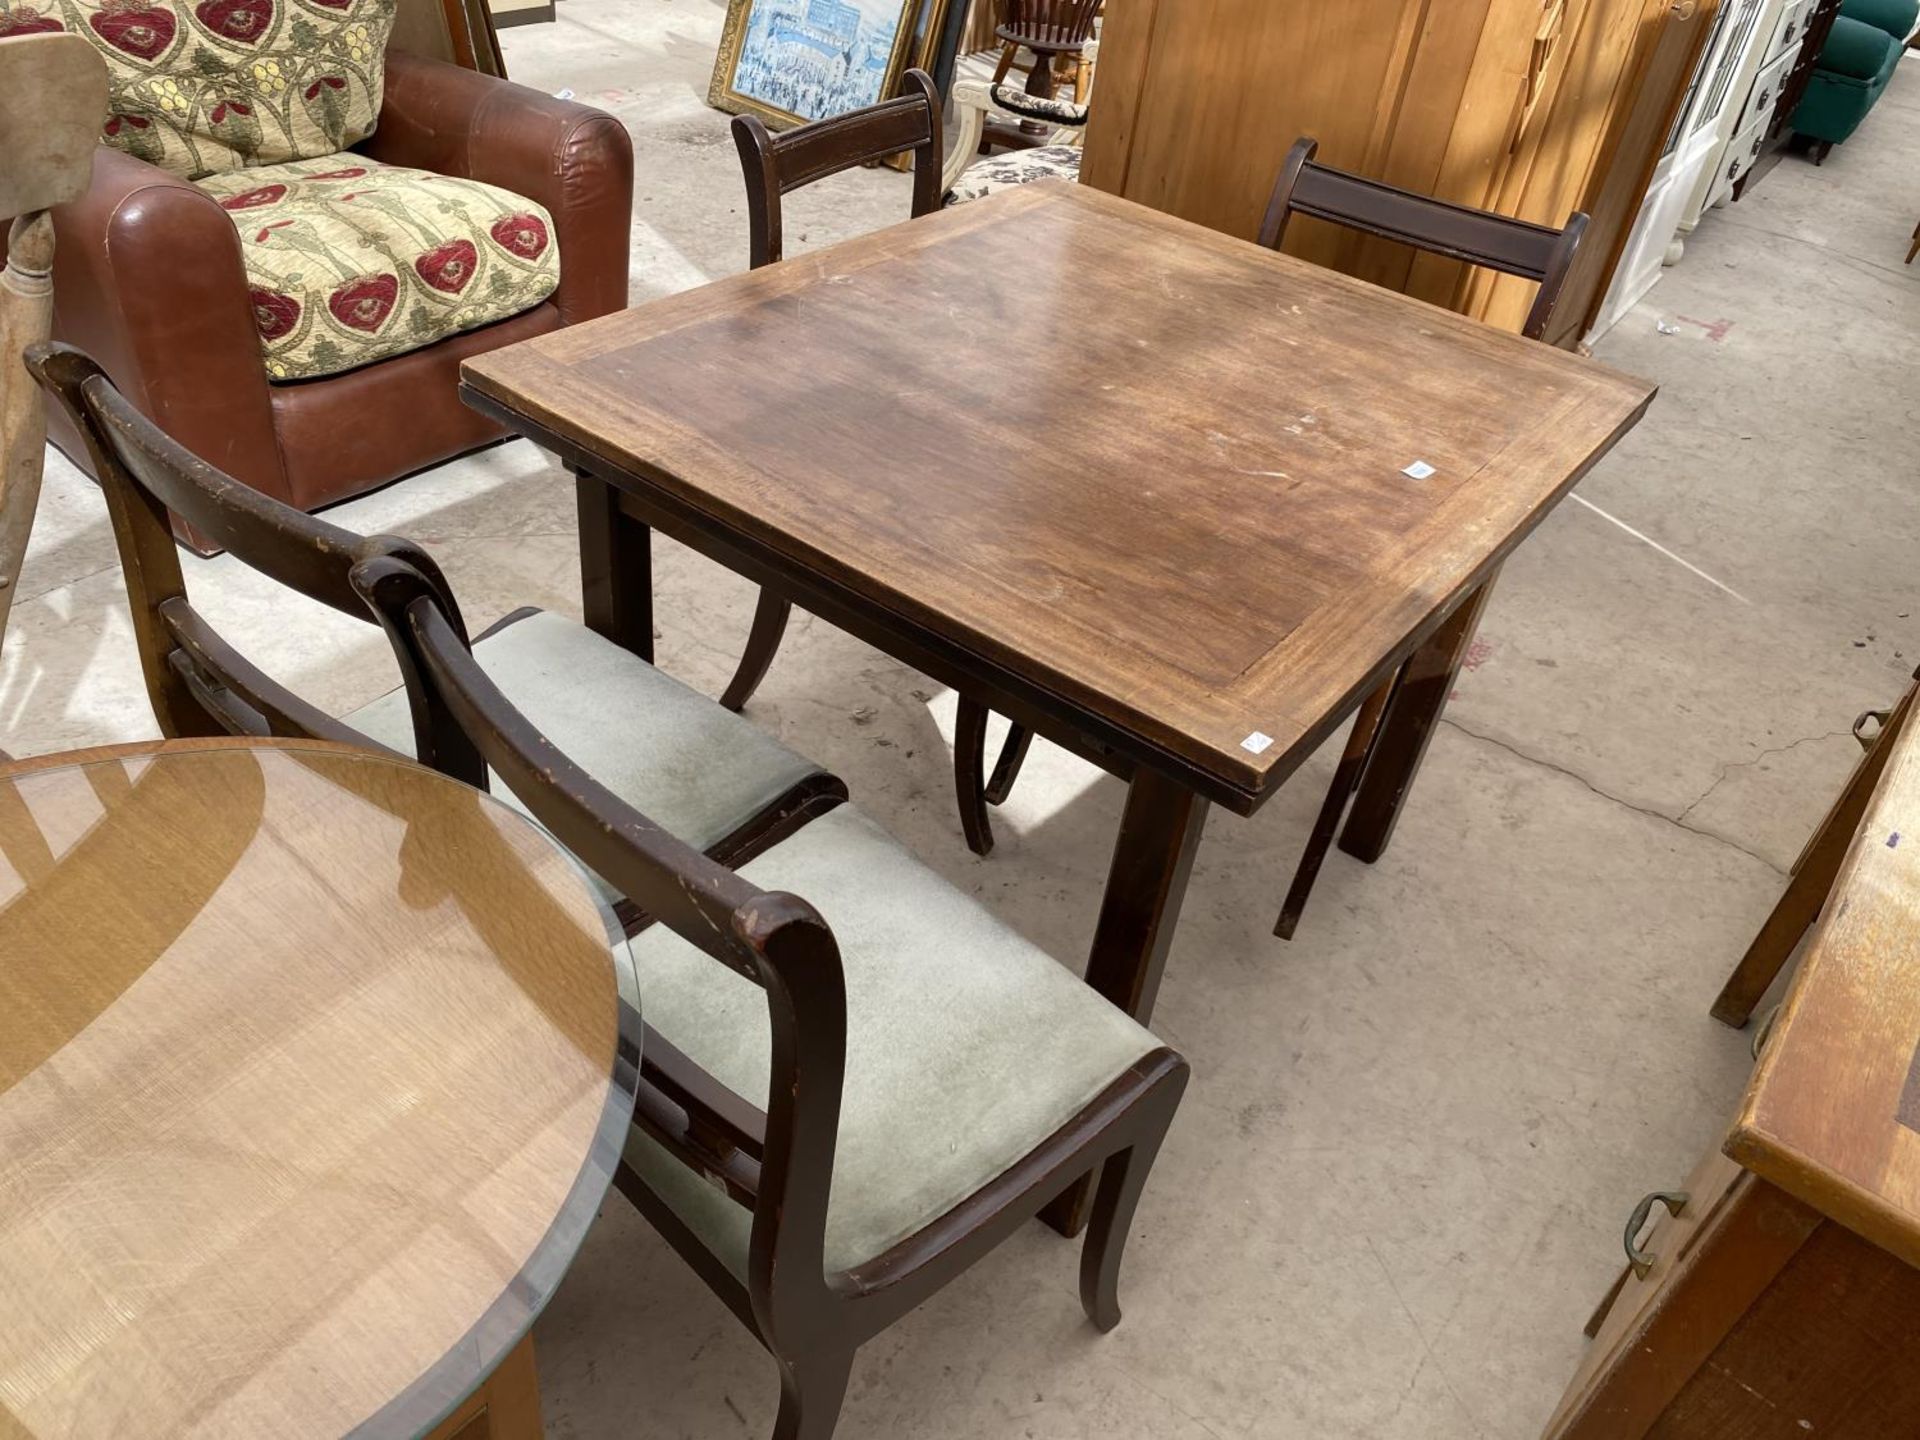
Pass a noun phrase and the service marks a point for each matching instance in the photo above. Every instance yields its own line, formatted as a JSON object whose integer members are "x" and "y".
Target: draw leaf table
{"x": 1169, "y": 499}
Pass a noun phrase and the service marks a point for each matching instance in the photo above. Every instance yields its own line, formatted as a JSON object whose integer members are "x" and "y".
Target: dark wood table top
{"x": 1145, "y": 467}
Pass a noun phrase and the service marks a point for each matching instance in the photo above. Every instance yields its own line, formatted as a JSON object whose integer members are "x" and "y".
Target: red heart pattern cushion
{"x": 351, "y": 264}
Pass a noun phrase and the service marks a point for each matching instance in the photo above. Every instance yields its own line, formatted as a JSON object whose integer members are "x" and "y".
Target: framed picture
{"x": 791, "y": 61}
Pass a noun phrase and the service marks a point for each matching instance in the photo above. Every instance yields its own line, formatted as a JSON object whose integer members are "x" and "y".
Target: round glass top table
{"x": 314, "y": 1069}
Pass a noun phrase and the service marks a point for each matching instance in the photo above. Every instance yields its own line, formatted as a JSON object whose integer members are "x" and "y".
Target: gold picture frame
{"x": 842, "y": 94}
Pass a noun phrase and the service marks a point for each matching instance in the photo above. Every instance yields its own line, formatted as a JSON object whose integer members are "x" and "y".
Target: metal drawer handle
{"x": 1675, "y": 1201}
{"x": 1685, "y": 10}
{"x": 1879, "y": 719}
{"x": 1765, "y": 96}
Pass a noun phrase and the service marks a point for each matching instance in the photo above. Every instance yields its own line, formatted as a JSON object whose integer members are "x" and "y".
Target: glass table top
{"x": 311, "y": 1079}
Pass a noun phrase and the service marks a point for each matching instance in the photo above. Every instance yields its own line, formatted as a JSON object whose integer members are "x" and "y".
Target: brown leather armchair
{"x": 149, "y": 280}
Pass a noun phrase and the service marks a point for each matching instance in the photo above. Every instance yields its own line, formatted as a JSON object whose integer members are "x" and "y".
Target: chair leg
{"x": 769, "y": 625}
{"x": 1122, "y": 1179}
{"x": 1007, "y": 57}
{"x": 1915, "y": 250}
{"x": 1346, "y": 777}
{"x": 1013, "y": 755}
{"x": 969, "y": 775}
{"x": 811, "y": 1394}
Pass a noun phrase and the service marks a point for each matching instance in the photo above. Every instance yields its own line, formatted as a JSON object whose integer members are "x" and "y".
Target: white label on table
{"x": 1257, "y": 743}
{"x": 1419, "y": 470}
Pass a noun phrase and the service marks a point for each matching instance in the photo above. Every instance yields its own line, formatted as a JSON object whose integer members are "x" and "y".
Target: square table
{"x": 1167, "y": 498}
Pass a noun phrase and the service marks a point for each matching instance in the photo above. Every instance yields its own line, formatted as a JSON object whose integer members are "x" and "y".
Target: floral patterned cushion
{"x": 1016, "y": 167}
{"x": 204, "y": 88}
{"x": 350, "y": 261}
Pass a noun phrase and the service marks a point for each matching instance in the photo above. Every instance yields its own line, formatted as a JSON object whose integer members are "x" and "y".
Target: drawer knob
{"x": 1675, "y": 1201}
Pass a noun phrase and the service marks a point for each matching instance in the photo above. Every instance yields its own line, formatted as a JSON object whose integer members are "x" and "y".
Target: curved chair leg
{"x": 1013, "y": 755}
{"x": 769, "y": 625}
{"x": 1122, "y": 1179}
{"x": 811, "y": 1394}
{"x": 969, "y": 775}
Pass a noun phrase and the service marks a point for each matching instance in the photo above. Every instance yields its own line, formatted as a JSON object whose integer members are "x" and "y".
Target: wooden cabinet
{"x": 1531, "y": 107}
{"x": 1781, "y": 1300}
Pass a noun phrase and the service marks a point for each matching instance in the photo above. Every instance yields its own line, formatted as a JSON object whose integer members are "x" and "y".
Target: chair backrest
{"x": 198, "y": 683}
{"x": 1050, "y": 24}
{"x": 1479, "y": 237}
{"x": 777, "y": 1163}
{"x": 776, "y": 164}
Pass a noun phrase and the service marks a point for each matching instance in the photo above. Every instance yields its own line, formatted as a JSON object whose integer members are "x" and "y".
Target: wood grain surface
{"x": 1145, "y": 467}
{"x": 1833, "y": 1113}
{"x": 307, "y": 1090}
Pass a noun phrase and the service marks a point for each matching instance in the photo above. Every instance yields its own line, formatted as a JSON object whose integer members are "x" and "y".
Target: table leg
{"x": 1146, "y": 883}
{"x": 1407, "y": 728}
{"x": 616, "y": 567}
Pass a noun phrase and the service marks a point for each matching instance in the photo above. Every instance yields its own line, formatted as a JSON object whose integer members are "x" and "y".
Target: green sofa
{"x": 1855, "y": 67}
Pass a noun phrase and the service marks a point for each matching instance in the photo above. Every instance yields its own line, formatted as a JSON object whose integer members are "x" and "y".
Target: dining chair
{"x": 773, "y": 166}
{"x": 848, "y": 1098}
{"x": 719, "y": 781}
{"x": 1479, "y": 237}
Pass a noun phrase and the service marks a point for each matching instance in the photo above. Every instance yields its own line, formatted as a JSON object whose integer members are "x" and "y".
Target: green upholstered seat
{"x": 967, "y": 1045}
{"x": 667, "y": 750}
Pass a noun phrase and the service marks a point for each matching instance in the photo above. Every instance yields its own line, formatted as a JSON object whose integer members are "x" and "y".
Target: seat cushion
{"x": 669, "y": 751}
{"x": 967, "y": 1045}
{"x": 201, "y": 88}
{"x": 1016, "y": 167}
{"x": 350, "y": 261}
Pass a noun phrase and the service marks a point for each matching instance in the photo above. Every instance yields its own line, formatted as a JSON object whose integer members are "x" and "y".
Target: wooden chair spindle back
{"x": 1049, "y": 24}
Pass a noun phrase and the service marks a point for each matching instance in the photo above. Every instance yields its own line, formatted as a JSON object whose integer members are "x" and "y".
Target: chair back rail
{"x": 776, "y": 941}
{"x": 1049, "y": 24}
{"x": 774, "y": 165}
{"x": 198, "y": 683}
{"x": 1459, "y": 232}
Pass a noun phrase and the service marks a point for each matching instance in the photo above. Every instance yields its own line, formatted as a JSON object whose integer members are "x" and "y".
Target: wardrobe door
{"x": 1199, "y": 100}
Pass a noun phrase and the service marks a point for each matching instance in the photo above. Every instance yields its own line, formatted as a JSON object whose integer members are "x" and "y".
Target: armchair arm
{"x": 574, "y": 160}
{"x": 974, "y": 100}
{"x": 148, "y": 279}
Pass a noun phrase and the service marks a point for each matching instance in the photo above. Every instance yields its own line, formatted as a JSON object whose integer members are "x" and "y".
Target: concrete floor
{"x": 1395, "y": 1190}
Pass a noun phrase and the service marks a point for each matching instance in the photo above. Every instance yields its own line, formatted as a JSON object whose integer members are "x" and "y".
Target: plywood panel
{"x": 1200, "y": 100}
{"x": 1224, "y": 88}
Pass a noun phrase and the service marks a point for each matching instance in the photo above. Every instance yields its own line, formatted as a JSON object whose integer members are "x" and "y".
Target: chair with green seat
{"x": 1856, "y": 65}
{"x": 722, "y": 783}
{"x": 833, "y": 1123}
